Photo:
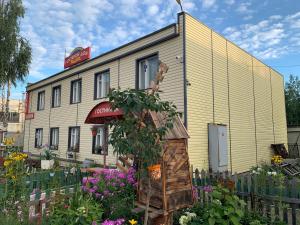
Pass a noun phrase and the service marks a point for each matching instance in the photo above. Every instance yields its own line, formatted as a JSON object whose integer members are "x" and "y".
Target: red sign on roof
{"x": 102, "y": 113}
{"x": 77, "y": 56}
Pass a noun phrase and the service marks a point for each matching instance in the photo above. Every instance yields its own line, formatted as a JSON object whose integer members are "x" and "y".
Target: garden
{"x": 151, "y": 185}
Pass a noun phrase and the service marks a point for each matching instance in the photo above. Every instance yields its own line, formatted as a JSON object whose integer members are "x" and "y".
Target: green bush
{"x": 80, "y": 209}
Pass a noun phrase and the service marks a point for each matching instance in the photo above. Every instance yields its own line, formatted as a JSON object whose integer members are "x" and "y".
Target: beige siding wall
{"x": 227, "y": 89}
{"x": 280, "y": 127}
{"x": 122, "y": 73}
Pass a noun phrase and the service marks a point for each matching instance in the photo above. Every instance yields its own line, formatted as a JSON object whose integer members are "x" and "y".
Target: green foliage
{"x": 48, "y": 154}
{"x": 80, "y": 209}
{"x": 135, "y": 134}
{"x": 292, "y": 100}
{"x": 15, "y": 54}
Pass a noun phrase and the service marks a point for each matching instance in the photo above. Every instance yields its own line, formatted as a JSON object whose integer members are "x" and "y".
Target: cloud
{"x": 208, "y": 3}
{"x": 229, "y": 2}
{"x": 58, "y": 25}
{"x": 270, "y": 38}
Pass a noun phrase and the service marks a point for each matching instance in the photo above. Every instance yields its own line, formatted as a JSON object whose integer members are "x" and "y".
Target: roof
{"x": 177, "y": 132}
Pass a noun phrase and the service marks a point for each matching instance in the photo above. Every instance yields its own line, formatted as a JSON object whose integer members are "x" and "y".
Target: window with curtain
{"x": 56, "y": 96}
{"x": 41, "y": 101}
{"x": 148, "y": 68}
{"x": 100, "y": 141}
{"x": 76, "y": 91}
{"x": 102, "y": 84}
{"x": 38, "y": 138}
{"x": 74, "y": 136}
{"x": 54, "y": 138}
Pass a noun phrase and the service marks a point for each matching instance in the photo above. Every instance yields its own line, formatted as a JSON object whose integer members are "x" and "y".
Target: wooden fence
{"x": 41, "y": 181}
{"x": 268, "y": 196}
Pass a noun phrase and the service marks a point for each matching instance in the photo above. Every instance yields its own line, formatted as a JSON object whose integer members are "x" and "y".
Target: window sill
{"x": 53, "y": 107}
{"x": 74, "y": 103}
{"x": 101, "y": 98}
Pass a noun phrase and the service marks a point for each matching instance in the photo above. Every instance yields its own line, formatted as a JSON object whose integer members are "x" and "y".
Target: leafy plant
{"x": 136, "y": 134}
{"x": 114, "y": 189}
{"x": 48, "y": 154}
{"x": 80, "y": 209}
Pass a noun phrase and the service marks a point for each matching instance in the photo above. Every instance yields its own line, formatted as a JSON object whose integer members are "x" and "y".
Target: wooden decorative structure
{"x": 174, "y": 189}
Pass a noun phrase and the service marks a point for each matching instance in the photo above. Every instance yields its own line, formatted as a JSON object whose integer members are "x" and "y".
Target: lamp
{"x": 94, "y": 131}
{"x": 179, "y": 3}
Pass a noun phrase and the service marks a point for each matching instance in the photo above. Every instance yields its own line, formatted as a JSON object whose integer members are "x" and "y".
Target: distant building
{"x": 232, "y": 103}
{"x": 15, "y": 120}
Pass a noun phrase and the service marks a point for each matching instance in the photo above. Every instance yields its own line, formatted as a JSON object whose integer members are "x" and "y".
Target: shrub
{"x": 114, "y": 189}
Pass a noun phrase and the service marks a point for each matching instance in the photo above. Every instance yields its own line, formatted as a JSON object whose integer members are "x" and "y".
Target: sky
{"x": 268, "y": 29}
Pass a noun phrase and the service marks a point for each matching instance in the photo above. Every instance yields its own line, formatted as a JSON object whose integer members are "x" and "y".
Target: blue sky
{"x": 268, "y": 29}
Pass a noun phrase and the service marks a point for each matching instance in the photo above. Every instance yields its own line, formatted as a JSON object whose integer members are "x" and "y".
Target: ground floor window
{"x": 38, "y": 138}
{"x": 100, "y": 140}
{"x": 54, "y": 138}
{"x": 74, "y": 137}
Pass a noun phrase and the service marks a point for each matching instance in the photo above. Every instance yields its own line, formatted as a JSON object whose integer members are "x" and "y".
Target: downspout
{"x": 184, "y": 73}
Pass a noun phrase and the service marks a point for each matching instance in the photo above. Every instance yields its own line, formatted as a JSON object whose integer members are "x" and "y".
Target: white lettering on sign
{"x": 105, "y": 110}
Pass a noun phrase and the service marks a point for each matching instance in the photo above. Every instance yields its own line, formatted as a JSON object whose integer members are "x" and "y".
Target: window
{"x": 102, "y": 81}
{"x": 54, "y": 138}
{"x": 38, "y": 138}
{"x": 74, "y": 135}
{"x": 147, "y": 69}
{"x": 100, "y": 141}
{"x": 41, "y": 101}
{"x": 56, "y": 96}
{"x": 76, "y": 91}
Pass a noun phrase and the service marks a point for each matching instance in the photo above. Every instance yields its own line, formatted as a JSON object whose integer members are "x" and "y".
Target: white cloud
{"x": 270, "y": 38}
{"x": 56, "y": 25}
{"x": 229, "y": 2}
{"x": 208, "y": 3}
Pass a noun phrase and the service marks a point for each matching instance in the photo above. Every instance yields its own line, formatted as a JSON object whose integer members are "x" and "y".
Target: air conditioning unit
{"x": 70, "y": 155}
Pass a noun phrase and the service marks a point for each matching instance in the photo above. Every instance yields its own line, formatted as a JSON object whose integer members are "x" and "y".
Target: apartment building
{"x": 232, "y": 103}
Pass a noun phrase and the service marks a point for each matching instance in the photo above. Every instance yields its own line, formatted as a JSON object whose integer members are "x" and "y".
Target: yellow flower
{"x": 132, "y": 222}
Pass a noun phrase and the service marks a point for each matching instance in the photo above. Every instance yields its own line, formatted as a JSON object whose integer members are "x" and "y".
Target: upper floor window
{"x": 74, "y": 136}
{"x": 100, "y": 141}
{"x": 41, "y": 101}
{"x": 147, "y": 69}
{"x": 102, "y": 81}
{"x": 54, "y": 138}
{"x": 76, "y": 91}
{"x": 38, "y": 138}
{"x": 56, "y": 96}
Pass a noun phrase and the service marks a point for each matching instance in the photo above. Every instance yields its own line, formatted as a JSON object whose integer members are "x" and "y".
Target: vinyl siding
{"x": 227, "y": 89}
{"x": 122, "y": 74}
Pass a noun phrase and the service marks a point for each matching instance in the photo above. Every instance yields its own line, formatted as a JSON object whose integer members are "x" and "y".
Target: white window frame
{"x": 38, "y": 137}
{"x": 54, "y": 135}
{"x": 76, "y": 87}
{"x": 102, "y": 84}
{"x": 56, "y": 96}
{"x": 145, "y": 77}
{"x": 41, "y": 100}
{"x": 74, "y": 136}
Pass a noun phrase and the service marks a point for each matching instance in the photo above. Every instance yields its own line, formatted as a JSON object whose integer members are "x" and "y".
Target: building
{"x": 210, "y": 79}
{"x": 15, "y": 120}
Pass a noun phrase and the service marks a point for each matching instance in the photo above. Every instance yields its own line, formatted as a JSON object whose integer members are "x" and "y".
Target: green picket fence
{"x": 268, "y": 195}
{"x": 41, "y": 181}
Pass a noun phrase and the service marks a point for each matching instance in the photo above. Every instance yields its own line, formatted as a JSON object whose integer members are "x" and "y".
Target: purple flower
{"x": 85, "y": 180}
{"x": 207, "y": 188}
{"x": 122, "y": 176}
{"x": 94, "y": 223}
{"x": 94, "y": 180}
{"x": 122, "y": 184}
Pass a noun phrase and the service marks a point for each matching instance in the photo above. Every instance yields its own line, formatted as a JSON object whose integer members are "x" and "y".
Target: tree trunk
{"x": 148, "y": 202}
{"x": 5, "y": 122}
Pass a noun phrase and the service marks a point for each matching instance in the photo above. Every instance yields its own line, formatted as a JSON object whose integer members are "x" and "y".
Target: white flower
{"x": 191, "y": 215}
{"x": 274, "y": 173}
{"x": 269, "y": 173}
{"x": 259, "y": 169}
{"x": 183, "y": 220}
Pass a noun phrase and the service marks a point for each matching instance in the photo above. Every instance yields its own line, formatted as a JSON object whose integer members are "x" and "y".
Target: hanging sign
{"x": 29, "y": 116}
{"x": 78, "y": 55}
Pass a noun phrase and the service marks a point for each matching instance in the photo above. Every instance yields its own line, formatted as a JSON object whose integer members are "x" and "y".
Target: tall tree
{"x": 15, "y": 51}
{"x": 292, "y": 100}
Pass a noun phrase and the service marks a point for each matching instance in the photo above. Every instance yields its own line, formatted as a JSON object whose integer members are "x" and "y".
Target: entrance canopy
{"x": 103, "y": 113}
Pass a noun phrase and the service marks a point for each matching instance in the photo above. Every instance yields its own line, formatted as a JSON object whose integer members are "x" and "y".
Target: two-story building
{"x": 233, "y": 104}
